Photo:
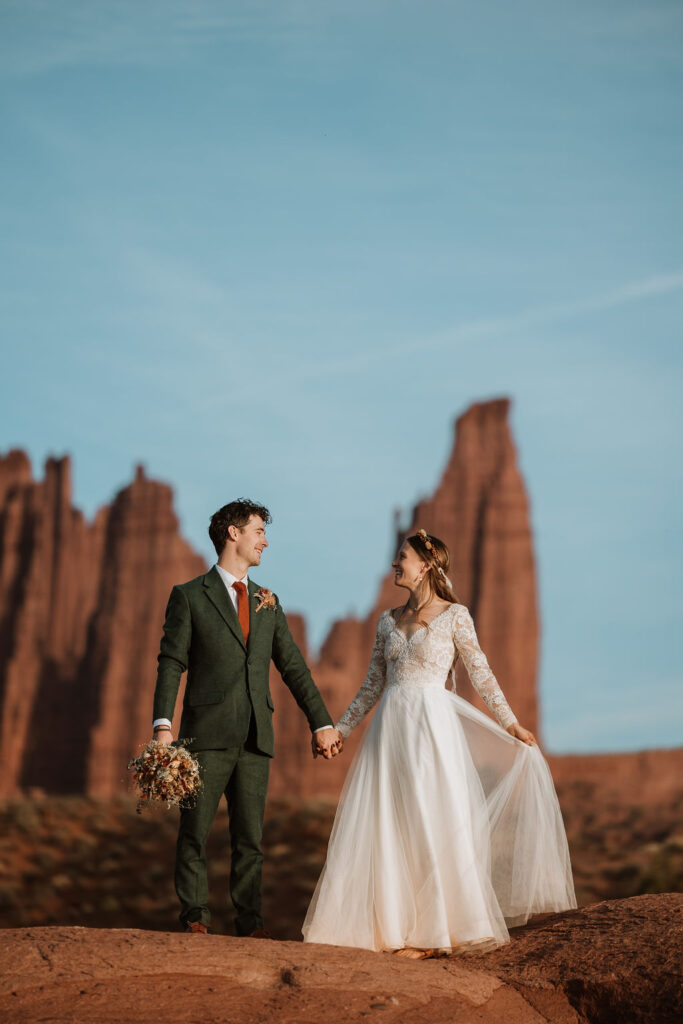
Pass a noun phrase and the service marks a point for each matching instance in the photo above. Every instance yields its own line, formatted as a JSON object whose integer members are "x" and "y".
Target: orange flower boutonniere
{"x": 266, "y": 599}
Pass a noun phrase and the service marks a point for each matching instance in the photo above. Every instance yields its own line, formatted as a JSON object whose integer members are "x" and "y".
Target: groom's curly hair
{"x": 235, "y": 513}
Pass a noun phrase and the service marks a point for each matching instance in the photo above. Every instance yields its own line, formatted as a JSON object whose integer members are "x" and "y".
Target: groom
{"x": 225, "y": 630}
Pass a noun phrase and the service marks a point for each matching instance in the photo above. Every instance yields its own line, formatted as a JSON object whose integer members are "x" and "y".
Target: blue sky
{"x": 274, "y": 248}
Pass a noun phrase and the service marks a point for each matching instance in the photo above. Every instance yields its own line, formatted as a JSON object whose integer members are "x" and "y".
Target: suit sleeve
{"x": 173, "y": 655}
{"x": 290, "y": 663}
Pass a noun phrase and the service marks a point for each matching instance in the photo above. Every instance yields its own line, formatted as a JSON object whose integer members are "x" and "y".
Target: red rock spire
{"x": 480, "y": 510}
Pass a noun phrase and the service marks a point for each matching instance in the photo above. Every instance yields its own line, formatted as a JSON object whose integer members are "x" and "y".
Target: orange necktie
{"x": 242, "y": 608}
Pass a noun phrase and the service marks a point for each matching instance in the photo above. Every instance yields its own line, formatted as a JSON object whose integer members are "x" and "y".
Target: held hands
{"x": 327, "y": 743}
{"x": 515, "y": 729}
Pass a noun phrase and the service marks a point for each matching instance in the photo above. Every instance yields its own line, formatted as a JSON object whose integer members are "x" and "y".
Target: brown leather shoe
{"x": 259, "y": 933}
{"x": 197, "y": 926}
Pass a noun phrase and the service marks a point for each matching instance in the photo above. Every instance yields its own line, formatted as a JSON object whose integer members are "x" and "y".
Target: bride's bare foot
{"x": 415, "y": 954}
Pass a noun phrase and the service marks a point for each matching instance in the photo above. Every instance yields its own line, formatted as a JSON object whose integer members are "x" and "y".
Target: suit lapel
{"x": 218, "y": 595}
{"x": 255, "y": 620}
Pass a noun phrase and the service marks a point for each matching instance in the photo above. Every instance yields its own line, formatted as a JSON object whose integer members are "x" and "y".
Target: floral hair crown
{"x": 424, "y": 537}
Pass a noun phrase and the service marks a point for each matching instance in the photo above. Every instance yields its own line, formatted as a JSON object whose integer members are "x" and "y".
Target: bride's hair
{"x": 434, "y": 552}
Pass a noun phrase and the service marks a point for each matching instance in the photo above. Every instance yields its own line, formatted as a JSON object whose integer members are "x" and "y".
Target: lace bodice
{"x": 425, "y": 659}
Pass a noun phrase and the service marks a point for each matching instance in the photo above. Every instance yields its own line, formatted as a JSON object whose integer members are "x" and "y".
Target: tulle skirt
{"x": 448, "y": 832}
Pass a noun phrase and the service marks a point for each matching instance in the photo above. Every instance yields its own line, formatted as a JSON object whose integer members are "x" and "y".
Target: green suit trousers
{"x": 241, "y": 774}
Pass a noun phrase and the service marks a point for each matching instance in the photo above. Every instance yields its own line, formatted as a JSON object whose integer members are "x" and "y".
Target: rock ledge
{"x": 612, "y": 961}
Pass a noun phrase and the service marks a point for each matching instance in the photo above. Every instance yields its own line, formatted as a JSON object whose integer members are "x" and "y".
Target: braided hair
{"x": 435, "y": 554}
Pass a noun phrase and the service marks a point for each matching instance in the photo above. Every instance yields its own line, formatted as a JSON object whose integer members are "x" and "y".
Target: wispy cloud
{"x": 186, "y": 304}
{"x": 494, "y": 327}
{"x": 632, "y": 291}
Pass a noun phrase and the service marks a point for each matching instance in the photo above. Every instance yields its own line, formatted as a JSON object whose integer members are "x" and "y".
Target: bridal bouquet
{"x": 164, "y": 773}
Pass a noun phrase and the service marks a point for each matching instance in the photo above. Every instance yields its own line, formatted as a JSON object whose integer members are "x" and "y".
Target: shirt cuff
{"x": 322, "y": 728}
{"x": 161, "y": 721}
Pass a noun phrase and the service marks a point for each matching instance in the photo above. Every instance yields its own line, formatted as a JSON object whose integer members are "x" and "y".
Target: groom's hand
{"x": 327, "y": 743}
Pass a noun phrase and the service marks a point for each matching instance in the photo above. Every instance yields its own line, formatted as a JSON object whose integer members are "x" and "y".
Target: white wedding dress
{"x": 448, "y": 830}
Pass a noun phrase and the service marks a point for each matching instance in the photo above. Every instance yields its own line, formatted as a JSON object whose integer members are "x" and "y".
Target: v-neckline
{"x": 408, "y": 639}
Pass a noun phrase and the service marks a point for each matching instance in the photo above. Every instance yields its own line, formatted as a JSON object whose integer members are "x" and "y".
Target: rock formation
{"x": 617, "y": 961}
{"x": 82, "y": 604}
{"x": 480, "y": 509}
{"x": 80, "y": 612}
{"x": 49, "y": 581}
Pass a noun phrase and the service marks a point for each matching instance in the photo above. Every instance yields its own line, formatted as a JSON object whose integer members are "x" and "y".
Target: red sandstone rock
{"x": 617, "y": 961}
{"x": 81, "y": 607}
{"x": 145, "y": 557}
{"x": 15, "y": 471}
{"x": 480, "y": 509}
{"x": 81, "y": 610}
{"x": 51, "y": 564}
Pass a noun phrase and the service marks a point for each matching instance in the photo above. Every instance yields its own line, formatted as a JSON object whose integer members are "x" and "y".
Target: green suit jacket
{"x": 227, "y": 679}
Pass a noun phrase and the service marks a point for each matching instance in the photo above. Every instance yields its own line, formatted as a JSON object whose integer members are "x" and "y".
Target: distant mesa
{"x": 82, "y": 605}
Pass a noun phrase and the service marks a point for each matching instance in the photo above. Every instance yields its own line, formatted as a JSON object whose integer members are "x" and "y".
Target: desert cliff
{"x": 82, "y": 605}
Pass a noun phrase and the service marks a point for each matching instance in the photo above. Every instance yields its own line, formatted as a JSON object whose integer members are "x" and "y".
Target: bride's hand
{"x": 328, "y": 748}
{"x": 516, "y": 730}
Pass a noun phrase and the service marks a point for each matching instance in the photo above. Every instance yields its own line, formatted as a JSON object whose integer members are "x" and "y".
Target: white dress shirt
{"x": 228, "y": 579}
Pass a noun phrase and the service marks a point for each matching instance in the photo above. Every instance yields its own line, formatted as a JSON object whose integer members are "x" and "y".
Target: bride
{"x": 448, "y": 830}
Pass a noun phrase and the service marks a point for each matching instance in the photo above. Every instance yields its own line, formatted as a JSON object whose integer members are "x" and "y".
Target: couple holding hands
{"x": 448, "y": 830}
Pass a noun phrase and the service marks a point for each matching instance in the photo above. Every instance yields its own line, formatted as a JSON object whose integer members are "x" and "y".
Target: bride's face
{"x": 408, "y": 567}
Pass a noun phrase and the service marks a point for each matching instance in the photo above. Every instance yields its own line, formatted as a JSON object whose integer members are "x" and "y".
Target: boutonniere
{"x": 266, "y": 598}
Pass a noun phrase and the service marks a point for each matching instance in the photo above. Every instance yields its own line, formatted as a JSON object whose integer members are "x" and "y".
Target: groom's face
{"x": 251, "y": 540}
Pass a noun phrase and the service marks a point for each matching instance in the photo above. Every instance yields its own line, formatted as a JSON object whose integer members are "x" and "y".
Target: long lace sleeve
{"x": 478, "y": 669}
{"x": 372, "y": 687}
